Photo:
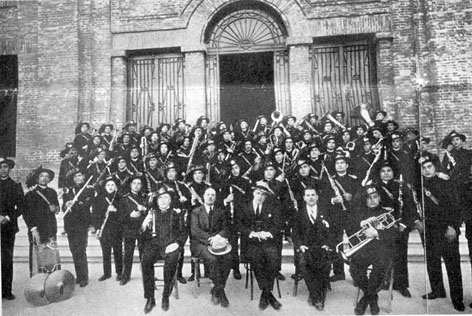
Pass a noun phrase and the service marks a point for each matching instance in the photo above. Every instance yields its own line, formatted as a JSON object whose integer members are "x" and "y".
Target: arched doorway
{"x": 247, "y": 63}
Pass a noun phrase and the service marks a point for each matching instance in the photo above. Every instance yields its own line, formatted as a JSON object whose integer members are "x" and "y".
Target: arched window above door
{"x": 246, "y": 31}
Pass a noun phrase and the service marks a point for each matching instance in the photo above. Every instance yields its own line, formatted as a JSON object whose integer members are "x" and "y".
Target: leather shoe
{"x": 237, "y": 274}
{"x": 150, "y": 303}
{"x": 123, "y": 280}
{"x": 192, "y": 278}
{"x": 459, "y": 306}
{"x": 361, "y": 306}
{"x": 404, "y": 292}
{"x": 374, "y": 307}
{"x": 263, "y": 303}
{"x": 77, "y": 281}
{"x": 181, "y": 279}
{"x": 83, "y": 283}
{"x": 118, "y": 277}
{"x": 434, "y": 295}
{"x": 273, "y": 301}
{"x": 319, "y": 306}
{"x": 215, "y": 296}
{"x": 8, "y": 296}
{"x": 104, "y": 277}
{"x": 337, "y": 277}
{"x": 280, "y": 277}
{"x": 165, "y": 303}
{"x": 223, "y": 299}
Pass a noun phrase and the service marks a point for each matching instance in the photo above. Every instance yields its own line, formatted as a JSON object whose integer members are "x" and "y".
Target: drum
{"x": 59, "y": 286}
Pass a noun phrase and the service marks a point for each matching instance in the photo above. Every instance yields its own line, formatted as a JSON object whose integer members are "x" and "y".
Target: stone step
{"x": 94, "y": 253}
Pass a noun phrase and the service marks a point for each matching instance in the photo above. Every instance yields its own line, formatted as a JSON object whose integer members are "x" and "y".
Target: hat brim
{"x": 48, "y": 171}
{"x": 227, "y": 250}
{"x": 9, "y": 162}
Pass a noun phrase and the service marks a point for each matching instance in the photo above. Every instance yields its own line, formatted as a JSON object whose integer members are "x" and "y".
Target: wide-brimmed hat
{"x": 103, "y": 126}
{"x": 79, "y": 127}
{"x": 48, "y": 171}
{"x": 128, "y": 124}
{"x": 163, "y": 190}
{"x": 108, "y": 179}
{"x": 264, "y": 187}
{"x": 220, "y": 247}
{"x": 195, "y": 168}
{"x": 9, "y": 162}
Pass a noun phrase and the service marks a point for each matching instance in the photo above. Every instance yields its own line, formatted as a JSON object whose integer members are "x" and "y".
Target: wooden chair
{"x": 196, "y": 273}
{"x": 160, "y": 282}
{"x": 250, "y": 276}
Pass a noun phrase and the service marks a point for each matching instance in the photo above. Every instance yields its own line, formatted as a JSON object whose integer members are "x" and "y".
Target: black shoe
{"x": 404, "y": 292}
{"x": 181, "y": 279}
{"x": 123, "y": 280}
{"x": 83, "y": 283}
{"x": 192, "y": 278}
{"x": 118, "y": 277}
{"x": 223, "y": 299}
{"x": 280, "y": 277}
{"x": 434, "y": 295}
{"x": 165, "y": 303}
{"x": 8, "y": 296}
{"x": 337, "y": 277}
{"x": 215, "y": 298}
{"x": 361, "y": 306}
{"x": 297, "y": 276}
{"x": 374, "y": 307}
{"x": 150, "y": 303}
{"x": 103, "y": 278}
{"x": 273, "y": 301}
{"x": 458, "y": 306}
{"x": 77, "y": 281}
{"x": 263, "y": 302}
{"x": 237, "y": 274}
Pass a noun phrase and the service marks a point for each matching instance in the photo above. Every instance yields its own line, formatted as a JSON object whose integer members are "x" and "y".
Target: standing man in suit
{"x": 260, "y": 227}
{"x": 208, "y": 241}
{"x": 314, "y": 243}
{"x": 11, "y": 207}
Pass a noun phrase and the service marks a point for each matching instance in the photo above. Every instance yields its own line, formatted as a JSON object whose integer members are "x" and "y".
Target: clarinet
{"x": 231, "y": 204}
{"x": 334, "y": 186}
{"x": 100, "y": 232}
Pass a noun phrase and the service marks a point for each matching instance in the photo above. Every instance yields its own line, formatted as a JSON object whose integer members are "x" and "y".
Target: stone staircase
{"x": 94, "y": 253}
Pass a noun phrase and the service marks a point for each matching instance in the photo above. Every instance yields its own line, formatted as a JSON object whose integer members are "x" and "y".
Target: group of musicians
{"x": 238, "y": 193}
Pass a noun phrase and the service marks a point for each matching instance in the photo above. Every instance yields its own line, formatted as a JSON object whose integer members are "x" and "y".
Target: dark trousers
{"x": 219, "y": 266}
{"x": 150, "y": 255}
{"x": 109, "y": 244}
{"x": 8, "y": 244}
{"x": 468, "y": 235}
{"x": 359, "y": 268}
{"x": 130, "y": 244}
{"x": 234, "y": 241}
{"x": 78, "y": 247}
{"x": 400, "y": 261}
{"x": 438, "y": 246}
{"x": 265, "y": 264}
{"x": 316, "y": 276}
{"x": 338, "y": 265}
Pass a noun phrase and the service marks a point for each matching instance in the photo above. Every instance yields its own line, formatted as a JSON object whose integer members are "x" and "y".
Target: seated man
{"x": 260, "y": 224}
{"x": 377, "y": 252}
{"x": 208, "y": 241}
{"x": 164, "y": 234}
{"x": 313, "y": 241}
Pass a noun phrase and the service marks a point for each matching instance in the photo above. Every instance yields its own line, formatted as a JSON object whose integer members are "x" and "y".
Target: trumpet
{"x": 359, "y": 240}
{"x": 334, "y": 121}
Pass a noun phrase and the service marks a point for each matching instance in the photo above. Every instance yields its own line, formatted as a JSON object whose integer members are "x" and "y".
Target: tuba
{"x": 276, "y": 118}
{"x": 359, "y": 240}
{"x": 328, "y": 116}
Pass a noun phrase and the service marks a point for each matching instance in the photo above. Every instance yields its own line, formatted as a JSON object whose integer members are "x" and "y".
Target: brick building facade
{"x": 114, "y": 60}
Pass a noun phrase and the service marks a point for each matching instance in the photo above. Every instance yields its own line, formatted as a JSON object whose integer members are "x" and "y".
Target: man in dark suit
{"x": 209, "y": 227}
{"x": 313, "y": 241}
{"x": 260, "y": 227}
{"x": 11, "y": 207}
{"x": 164, "y": 235}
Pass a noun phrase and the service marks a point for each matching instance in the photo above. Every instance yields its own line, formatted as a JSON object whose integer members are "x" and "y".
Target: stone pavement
{"x": 109, "y": 298}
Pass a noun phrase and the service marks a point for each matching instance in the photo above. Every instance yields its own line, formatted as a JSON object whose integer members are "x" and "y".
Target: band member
{"x": 99, "y": 168}
{"x": 260, "y": 227}
{"x": 208, "y": 241}
{"x": 364, "y": 160}
{"x": 338, "y": 195}
{"x": 441, "y": 229}
{"x": 69, "y": 164}
{"x": 76, "y": 224}
{"x": 40, "y": 211}
{"x": 107, "y": 216}
{"x": 180, "y": 199}
{"x": 236, "y": 193}
{"x": 130, "y": 128}
{"x": 82, "y": 138}
{"x": 12, "y": 203}
{"x": 164, "y": 236}
{"x": 134, "y": 206}
{"x": 153, "y": 174}
{"x": 123, "y": 175}
{"x": 105, "y": 132}
{"x": 377, "y": 252}
{"x": 330, "y": 152}
{"x": 314, "y": 244}
{"x": 136, "y": 165}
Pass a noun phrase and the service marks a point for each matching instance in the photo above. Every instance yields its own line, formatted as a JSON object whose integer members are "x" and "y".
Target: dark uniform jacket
{"x": 79, "y": 218}
{"x": 132, "y": 226}
{"x": 38, "y": 213}
{"x": 12, "y": 203}
{"x": 112, "y": 228}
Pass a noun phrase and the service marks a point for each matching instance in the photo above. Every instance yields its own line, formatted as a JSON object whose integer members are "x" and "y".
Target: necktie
{"x": 258, "y": 212}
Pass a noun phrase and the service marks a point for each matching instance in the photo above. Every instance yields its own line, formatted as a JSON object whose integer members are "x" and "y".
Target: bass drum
{"x": 34, "y": 292}
{"x": 59, "y": 286}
